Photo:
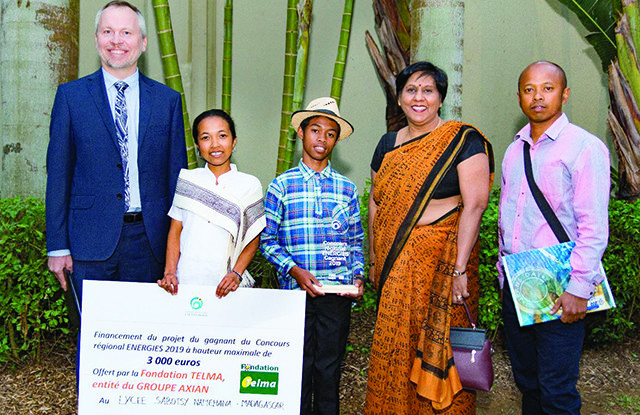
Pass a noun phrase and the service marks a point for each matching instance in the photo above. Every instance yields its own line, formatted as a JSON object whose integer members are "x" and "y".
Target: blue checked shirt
{"x": 313, "y": 221}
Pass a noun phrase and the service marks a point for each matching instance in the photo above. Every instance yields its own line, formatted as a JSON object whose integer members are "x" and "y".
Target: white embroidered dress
{"x": 218, "y": 221}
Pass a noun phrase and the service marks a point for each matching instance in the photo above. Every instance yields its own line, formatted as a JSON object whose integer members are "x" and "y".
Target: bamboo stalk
{"x": 343, "y": 48}
{"x": 171, "y": 69}
{"x": 304, "y": 24}
{"x": 227, "y": 56}
{"x": 290, "y": 54}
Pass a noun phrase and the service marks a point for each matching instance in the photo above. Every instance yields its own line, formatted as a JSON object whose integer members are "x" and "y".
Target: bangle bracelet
{"x": 457, "y": 273}
{"x": 238, "y": 275}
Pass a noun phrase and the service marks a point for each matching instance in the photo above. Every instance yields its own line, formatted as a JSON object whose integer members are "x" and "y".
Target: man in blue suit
{"x": 116, "y": 148}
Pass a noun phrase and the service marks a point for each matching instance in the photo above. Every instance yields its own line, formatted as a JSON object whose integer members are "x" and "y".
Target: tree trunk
{"x": 437, "y": 36}
{"x": 38, "y": 51}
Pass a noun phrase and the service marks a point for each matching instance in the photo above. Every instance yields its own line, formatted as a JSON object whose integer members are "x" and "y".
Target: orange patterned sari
{"x": 411, "y": 369}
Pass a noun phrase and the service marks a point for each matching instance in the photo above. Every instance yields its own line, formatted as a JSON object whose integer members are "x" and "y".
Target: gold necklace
{"x": 428, "y": 132}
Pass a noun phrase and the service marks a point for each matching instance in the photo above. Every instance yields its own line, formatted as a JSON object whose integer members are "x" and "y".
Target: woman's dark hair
{"x": 213, "y": 113}
{"x": 427, "y": 68}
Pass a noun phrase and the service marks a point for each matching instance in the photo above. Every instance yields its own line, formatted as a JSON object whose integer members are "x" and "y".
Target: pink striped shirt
{"x": 571, "y": 168}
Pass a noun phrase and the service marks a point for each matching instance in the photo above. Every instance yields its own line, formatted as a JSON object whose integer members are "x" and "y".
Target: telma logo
{"x": 259, "y": 383}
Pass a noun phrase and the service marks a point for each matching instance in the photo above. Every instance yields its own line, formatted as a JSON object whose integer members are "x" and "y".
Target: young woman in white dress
{"x": 217, "y": 214}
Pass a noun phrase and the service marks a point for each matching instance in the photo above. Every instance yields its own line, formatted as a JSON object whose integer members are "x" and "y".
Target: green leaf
{"x": 599, "y": 17}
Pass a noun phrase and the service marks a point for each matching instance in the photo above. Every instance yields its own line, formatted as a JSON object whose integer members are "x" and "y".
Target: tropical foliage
{"x": 615, "y": 35}
{"x": 599, "y": 18}
{"x": 31, "y": 306}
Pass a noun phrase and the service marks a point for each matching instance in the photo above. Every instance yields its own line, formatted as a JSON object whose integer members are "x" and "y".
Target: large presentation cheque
{"x": 144, "y": 351}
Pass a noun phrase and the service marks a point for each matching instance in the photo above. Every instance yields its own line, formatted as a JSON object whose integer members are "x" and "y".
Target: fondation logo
{"x": 196, "y": 303}
{"x": 258, "y": 379}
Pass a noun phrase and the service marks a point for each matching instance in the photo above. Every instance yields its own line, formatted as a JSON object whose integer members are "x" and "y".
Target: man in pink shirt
{"x": 571, "y": 168}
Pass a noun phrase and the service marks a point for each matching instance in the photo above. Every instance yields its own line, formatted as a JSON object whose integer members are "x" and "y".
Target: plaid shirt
{"x": 313, "y": 221}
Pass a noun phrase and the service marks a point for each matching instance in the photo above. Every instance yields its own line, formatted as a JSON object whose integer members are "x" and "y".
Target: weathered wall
{"x": 37, "y": 52}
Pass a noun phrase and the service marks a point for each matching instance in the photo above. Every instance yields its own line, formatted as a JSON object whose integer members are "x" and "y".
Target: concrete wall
{"x": 501, "y": 38}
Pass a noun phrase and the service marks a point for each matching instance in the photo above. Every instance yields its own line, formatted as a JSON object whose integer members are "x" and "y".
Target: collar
{"x": 552, "y": 132}
{"x": 224, "y": 176}
{"x": 132, "y": 80}
{"x": 308, "y": 172}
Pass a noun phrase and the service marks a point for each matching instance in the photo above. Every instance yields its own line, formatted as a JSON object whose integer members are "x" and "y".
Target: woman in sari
{"x": 430, "y": 187}
{"x": 217, "y": 214}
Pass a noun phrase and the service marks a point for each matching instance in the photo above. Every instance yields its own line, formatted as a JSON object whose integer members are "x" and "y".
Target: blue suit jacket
{"x": 85, "y": 180}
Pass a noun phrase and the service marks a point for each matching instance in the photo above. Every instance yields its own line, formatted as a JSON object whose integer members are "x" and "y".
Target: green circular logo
{"x": 196, "y": 303}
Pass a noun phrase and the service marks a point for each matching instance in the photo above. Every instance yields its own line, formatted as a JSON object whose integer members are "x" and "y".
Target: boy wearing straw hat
{"x": 314, "y": 238}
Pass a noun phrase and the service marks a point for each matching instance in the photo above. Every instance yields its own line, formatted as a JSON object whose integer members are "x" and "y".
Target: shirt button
{"x": 119, "y": 165}
{"x": 119, "y": 196}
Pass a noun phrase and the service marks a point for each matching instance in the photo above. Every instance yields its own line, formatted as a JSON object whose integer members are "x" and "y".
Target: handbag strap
{"x": 541, "y": 201}
{"x": 466, "y": 308}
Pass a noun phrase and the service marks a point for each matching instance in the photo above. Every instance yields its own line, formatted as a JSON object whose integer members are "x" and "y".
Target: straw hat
{"x": 324, "y": 107}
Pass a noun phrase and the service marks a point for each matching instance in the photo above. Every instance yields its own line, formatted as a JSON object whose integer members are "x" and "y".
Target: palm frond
{"x": 599, "y": 17}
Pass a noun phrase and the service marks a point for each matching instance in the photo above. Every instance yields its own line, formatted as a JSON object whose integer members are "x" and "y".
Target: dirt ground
{"x": 609, "y": 379}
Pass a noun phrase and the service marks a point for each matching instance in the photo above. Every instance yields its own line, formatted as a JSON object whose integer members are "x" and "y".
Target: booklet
{"x": 539, "y": 276}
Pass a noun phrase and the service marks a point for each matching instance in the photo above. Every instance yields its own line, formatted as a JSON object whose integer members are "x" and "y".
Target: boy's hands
{"x": 359, "y": 284}
{"x": 306, "y": 281}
